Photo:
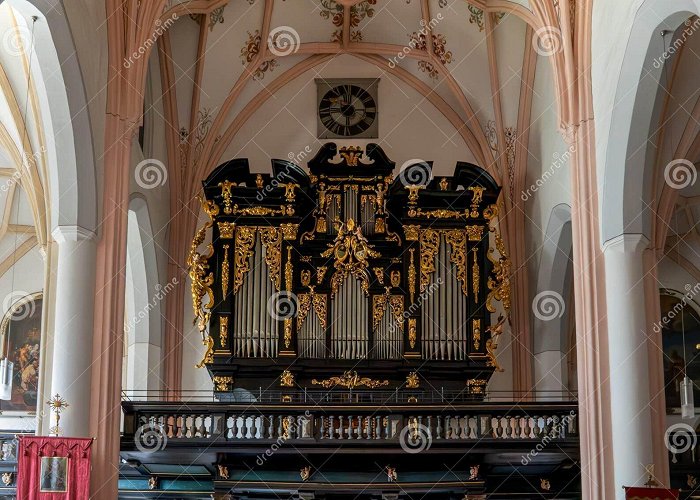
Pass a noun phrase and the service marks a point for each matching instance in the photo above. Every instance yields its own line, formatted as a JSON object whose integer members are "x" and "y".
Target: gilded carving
{"x": 287, "y": 379}
{"x": 458, "y": 255}
{"x": 289, "y": 192}
{"x": 305, "y": 277}
{"x": 412, "y": 381}
{"x": 208, "y": 354}
{"x": 492, "y": 343}
{"x": 289, "y": 230}
{"x": 226, "y": 194}
{"x": 198, "y": 269}
{"x": 412, "y": 277}
{"x": 500, "y": 286}
{"x": 259, "y": 183}
{"x": 475, "y": 276}
{"x": 222, "y": 382}
{"x": 396, "y": 303}
{"x": 288, "y": 270}
{"x": 320, "y": 274}
{"x": 379, "y": 273}
{"x": 351, "y": 154}
{"x": 429, "y": 246}
{"x": 476, "y": 385}
{"x": 490, "y": 212}
{"x": 223, "y": 471}
{"x": 225, "y": 275}
{"x": 271, "y": 238}
{"x": 319, "y": 301}
{"x": 259, "y": 211}
{"x": 443, "y": 184}
{"x": 287, "y": 332}
{"x": 438, "y": 213}
{"x": 395, "y": 277}
{"x": 223, "y": 330}
{"x": 379, "y": 303}
{"x": 413, "y": 193}
{"x": 226, "y": 230}
{"x": 412, "y": 332}
{"x": 477, "y": 198}
{"x": 476, "y": 333}
{"x": 411, "y": 232}
{"x": 475, "y": 232}
{"x": 243, "y": 250}
{"x": 351, "y": 252}
{"x": 350, "y": 380}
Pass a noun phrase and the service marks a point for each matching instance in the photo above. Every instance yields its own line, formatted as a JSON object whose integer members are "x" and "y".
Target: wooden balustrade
{"x": 273, "y": 423}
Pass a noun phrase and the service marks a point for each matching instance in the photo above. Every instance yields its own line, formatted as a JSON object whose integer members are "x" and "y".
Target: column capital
{"x": 626, "y": 243}
{"x": 61, "y": 234}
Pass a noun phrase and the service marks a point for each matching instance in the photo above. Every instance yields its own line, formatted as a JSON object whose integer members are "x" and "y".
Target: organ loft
{"x": 351, "y": 317}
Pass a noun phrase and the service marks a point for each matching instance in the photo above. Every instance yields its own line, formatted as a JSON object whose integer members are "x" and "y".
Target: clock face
{"x": 347, "y": 110}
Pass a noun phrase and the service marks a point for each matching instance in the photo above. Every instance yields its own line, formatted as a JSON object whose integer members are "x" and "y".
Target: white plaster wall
{"x": 409, "y": 126}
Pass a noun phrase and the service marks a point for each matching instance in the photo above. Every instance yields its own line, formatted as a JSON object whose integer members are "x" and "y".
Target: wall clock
{"x": 347, "y": 108}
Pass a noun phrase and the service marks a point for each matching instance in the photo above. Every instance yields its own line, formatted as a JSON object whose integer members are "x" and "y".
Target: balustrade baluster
{"x": 463, "y": 427}
{"x": 331, "y": 427}
{"x": 253, "y": 428}
{"x": 323, "y": 428}
{"x": 438, "y": 428}
{"x": 341, "y": 430}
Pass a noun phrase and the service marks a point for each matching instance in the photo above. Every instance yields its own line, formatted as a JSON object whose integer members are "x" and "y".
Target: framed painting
{"x": 20, "y": 338}
{"x": 53, "y": 476}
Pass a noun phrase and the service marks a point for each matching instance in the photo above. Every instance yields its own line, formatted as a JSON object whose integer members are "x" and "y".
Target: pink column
{"x": 105, "y": 414}
{"x": 591, "y": 332}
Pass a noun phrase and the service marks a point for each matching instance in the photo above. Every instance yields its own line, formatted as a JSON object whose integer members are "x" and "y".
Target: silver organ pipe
{"x": 312, "y": 337}
{"x": 349, "y": 321}
{"x": 444, "y": 318}
{"x": 256, "y": 331}
{"x": 388, "y": 335}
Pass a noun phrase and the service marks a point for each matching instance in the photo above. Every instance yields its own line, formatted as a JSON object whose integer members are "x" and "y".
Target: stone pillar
{"x": 629, "y": 360}
{"x": 73, "y": 326}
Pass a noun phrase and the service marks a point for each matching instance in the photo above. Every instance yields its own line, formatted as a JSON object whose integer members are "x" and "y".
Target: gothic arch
{"x": 624, "y": 163}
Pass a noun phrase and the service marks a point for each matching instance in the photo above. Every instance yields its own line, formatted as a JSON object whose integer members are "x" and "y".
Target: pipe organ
{"x": 353, "y": 266}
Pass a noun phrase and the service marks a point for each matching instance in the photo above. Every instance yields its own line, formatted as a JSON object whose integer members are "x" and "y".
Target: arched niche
{"x": 553, "y": 306}
{"x": 625, "y": 164}
{"x": 144, "y": 300}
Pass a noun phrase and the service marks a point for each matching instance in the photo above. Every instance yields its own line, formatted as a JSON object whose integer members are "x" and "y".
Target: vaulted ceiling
{"x": 471, "y": 63}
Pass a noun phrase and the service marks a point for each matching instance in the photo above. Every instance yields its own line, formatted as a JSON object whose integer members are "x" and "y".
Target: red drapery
{"x": 650, "y": 493}
{"x": 69, "y": 479}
